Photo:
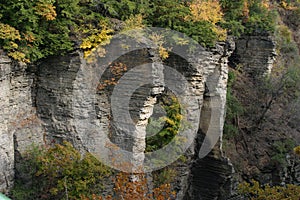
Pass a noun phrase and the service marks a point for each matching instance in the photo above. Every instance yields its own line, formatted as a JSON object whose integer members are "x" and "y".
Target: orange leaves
{"x": 246, "y": 11}
{"x": 46, "y": 10}
{"x": 164, "y": 192}
{"x": 117, "y": 70}
{"x": 134, "y": 187}
{"x": 29, "y": 37}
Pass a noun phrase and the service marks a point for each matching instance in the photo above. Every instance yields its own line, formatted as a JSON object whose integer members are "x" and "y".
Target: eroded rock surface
{"x": 41, "y": 105}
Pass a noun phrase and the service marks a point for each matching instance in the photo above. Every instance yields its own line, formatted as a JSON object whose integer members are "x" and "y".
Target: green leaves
{"x": 41, "y": 28}
{"x": 234, "y": 109}
{"x": 248, "y": 17}
{"x": 164, "y": 129}
{"x": 280, "y": 149}
{"x": 121, "y": 9}
{"x": 57, "y": 25}
{"x": 58, "y": 172}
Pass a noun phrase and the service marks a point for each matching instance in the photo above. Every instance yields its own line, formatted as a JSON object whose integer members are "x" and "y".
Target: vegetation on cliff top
{"x": 31, "y": 30}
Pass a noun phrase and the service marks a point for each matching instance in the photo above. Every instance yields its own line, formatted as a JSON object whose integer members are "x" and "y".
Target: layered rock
{"x": 254, "y": 55}
{"x": 19, "y": 124}
{"x": 53, "y": 102}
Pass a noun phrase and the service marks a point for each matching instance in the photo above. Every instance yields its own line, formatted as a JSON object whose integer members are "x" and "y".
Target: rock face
{"x": 19, "y": 124}
{"x": 54, "y": 90}
{"x": 211, "y": 176}
{"x": 253, "y": 152}
{"x": 255, "y": 54}
{"x": 7, "y": 147}
{"x": 50, "y": 103}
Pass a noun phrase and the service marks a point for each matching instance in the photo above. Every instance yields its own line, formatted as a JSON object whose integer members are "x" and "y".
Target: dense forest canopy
{"x": 31, "y": 30}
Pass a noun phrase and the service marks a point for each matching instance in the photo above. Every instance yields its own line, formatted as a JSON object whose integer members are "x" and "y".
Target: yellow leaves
{"x": 158, "y": 40}
{"x": 54, "y": 191}
{"x": 222, "y": 33}
{"x": 297, "y": 150}
{"x": 11, "y": 34}
{"x": 180, "y": 41}
{"x": 19, "y": 56}
{"x": 13, "y": 45}
{"x": 209, "y": 10}
{"x": 170, "y": 122}
{"x": 86, "y": 44}
{"x": 265, "y": 4}
{"x": 8, "y": 32}
{"x": 18, "y": 50}
{"x": 92, "y": 43}
{"x": 267, "y": 192}
{"x": 287, "y": 6}
{"x": 134, "y": 22}
{"x": 46, "y": 10}
{"x": 284, "y": 4}
{"x": 163, "y": 52}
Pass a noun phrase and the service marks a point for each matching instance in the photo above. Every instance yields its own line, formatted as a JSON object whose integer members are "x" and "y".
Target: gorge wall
{"x": 19, "y": 124}
{"x": 38, "y": 106}
{"x": 254, "y": 55}
{"x": 253, "y": 151}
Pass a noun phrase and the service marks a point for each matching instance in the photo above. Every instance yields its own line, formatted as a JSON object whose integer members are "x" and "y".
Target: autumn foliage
{"x": 61, "y": 172}
{"x": 255, "y": 191}
{"x": 56, "y": 27}
{"x": 134, "y": 186}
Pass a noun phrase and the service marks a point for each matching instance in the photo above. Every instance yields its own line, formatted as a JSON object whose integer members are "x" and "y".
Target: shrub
{"x": 297, "y": 150}
{"x": 134, "y": 186}
{"x": 171, "y": 122}
{"x": 254, "y": 191}
{"x": 58, "y": 172}
{"x": 233, "y": 110}
{"x": 164, "y": 176}
{"x": 280, "y": 149}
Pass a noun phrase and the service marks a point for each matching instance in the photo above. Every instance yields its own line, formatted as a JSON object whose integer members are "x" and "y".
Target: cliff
{"x": 69, "y": 98}
{"x": 50, "y": 102}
